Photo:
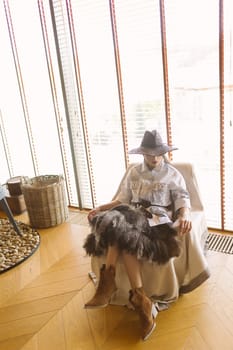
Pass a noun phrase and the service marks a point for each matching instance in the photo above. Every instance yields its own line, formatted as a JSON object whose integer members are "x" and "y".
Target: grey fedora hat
{"x": 152, "y": 145}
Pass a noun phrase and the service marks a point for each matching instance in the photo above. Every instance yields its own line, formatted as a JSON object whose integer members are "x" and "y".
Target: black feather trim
{"x": 128, "y": 228}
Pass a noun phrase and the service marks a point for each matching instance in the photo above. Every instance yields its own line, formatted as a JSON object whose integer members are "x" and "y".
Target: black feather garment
{"x": 128, "y": 228}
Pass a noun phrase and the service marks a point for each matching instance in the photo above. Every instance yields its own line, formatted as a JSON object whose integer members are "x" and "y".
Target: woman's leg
{"x": 112, "y": 256}
{"x": 137, "y": 296}
{"x": 133, "y": 269}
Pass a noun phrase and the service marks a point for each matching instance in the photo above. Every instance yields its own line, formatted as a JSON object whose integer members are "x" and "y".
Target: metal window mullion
{"x": 222, "y": 119}
{"x": 119, "y": 79}
{"x": 165, "y": 73}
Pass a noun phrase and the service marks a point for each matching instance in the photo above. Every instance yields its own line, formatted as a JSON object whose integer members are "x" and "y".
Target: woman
{"x": 159, "y": 189}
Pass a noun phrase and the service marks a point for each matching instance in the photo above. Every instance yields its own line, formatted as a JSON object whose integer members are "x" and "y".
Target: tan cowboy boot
{"x": 105, "y": 289}
{"x": 146, "y": 310}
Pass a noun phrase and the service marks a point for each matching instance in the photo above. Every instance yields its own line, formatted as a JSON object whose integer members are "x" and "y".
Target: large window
{"x": 228, "y": 106}
{"x": 86, "y": 78}
{"x": 193, "y": 66}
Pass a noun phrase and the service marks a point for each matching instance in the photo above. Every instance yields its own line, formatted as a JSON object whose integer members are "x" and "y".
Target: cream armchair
{"x": 180, "y": 275}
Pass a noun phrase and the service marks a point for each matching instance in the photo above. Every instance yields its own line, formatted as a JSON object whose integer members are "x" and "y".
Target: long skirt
{"x": 170, "y": 265}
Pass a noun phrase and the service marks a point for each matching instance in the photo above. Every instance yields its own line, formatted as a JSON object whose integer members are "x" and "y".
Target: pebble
{"x": 14, "y": 248}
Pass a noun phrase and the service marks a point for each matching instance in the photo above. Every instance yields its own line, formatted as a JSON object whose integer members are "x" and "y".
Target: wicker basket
{"x": 45, "y": 200}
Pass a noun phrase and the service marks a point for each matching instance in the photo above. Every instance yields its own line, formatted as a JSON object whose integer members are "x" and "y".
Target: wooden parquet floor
{"x": 42, "y": 304}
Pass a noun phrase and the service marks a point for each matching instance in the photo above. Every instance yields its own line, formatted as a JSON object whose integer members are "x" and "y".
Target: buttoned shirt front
{"x": 164, "y": 187}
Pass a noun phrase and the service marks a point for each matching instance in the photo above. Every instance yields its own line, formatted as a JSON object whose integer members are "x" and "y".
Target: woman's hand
{"x": 103, "y": 207}
{"x": 93, "y": 213}
{"x": 183, "y": 222}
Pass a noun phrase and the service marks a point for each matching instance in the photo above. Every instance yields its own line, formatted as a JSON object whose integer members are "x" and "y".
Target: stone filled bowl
{"x": 14, "y": 249}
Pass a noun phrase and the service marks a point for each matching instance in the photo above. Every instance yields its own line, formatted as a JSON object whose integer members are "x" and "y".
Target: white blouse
{"x": 163, "y": 187}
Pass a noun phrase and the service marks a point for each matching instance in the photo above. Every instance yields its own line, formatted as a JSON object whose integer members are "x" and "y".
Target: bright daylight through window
{"x": 86, "y": 78}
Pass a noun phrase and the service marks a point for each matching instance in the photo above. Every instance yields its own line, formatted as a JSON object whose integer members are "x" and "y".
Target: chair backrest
{"x": 187, "y": 170}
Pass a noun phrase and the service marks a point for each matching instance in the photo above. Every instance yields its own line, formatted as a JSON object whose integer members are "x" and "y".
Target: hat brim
{"x": 157, "y": 151}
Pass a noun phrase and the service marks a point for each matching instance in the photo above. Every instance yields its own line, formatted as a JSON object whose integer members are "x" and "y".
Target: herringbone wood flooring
{"x": 42, "y": 304}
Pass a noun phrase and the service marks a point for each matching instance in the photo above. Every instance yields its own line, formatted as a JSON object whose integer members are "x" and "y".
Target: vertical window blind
{"x": 87, "y": 78}
{"x": 27, "y": 114}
